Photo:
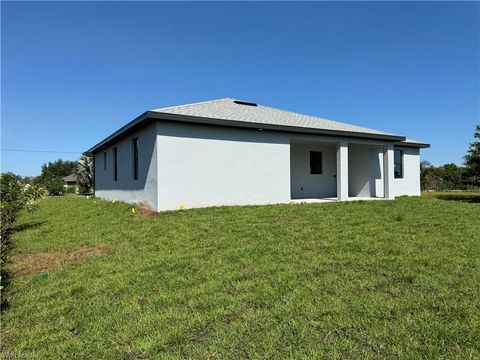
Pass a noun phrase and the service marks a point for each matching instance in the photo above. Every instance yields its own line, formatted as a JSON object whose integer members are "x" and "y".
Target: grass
{"x": 384, "y": 279}
{"x": 467, "y": 196}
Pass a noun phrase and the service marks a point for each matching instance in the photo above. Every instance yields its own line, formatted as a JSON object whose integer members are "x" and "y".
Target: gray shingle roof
{"x": 71, "y": 177}
{"x": 229, "y": 112}
{"x": 228, "y": 109}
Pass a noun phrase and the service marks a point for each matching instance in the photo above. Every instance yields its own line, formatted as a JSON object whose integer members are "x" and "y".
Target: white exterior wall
{"x": 305, "y": 185}
{"x": 201, "y": 166}
{"x": 365, "y": 171}
{"x": 126, "y": 188}
{"x": 376, "y": 172}
{"x": 359, "y": 169}
{"x": 410, "y": 183}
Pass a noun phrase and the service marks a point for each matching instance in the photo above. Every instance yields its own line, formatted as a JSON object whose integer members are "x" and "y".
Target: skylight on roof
{"x": 244, "y": 103}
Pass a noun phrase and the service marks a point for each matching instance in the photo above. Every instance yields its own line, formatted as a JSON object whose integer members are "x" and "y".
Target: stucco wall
{"x": 126, "y": 188}
{"x": 202, "y": 166}
{"x": 359, "y": 168}
{"x": 410, "y": 183}
{"x": 305, "y": 185}
{"x": 365, "y": 171}
{"x": 376, "y": 172}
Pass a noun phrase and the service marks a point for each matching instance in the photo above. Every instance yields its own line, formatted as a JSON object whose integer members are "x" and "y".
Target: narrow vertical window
{"x": 315, "y": 162}
{"x": 115, "y": 164}
{"x": 135, "y": 158}
{"x": 398, "y": 164}
{"x": 105, "y": 160}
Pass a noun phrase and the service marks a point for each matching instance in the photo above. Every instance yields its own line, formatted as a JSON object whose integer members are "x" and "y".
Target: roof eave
{"x": 136, "y": 123}
{"x": 284, "y": 128}
{"x": 414, "y": 144}
{"x": 147, "y": 116}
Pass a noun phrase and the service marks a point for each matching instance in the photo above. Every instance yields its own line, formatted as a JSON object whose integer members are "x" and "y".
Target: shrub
{"x": 71, "y": 189}
{"x": 54, "y": 185}
{"x": 14, "y": 197}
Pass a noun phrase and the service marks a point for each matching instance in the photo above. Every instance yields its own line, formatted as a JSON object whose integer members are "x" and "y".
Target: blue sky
{"x": 72, "y": 73}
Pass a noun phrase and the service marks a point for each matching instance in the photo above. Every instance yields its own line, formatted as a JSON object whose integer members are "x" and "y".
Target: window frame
{"x": 135, "y": 158}
{"x": 401, "y": 172}
{"x": 115, "y": 164}
{"x": 312, "y": 162}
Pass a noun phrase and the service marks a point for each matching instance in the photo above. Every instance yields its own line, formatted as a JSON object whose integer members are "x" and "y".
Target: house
{"x": 70, "y": 180}
{"x": 231, "y": 152}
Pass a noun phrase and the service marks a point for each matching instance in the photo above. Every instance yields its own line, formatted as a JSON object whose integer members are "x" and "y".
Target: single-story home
{"x": 70, "y": 180}
{"x": 232, "y": 152}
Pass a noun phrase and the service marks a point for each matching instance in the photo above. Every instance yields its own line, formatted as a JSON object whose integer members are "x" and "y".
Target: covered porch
{"x": 325, "y": 170}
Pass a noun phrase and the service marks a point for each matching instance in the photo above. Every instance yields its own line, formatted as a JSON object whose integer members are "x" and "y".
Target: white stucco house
{"x": 231, "y": 152}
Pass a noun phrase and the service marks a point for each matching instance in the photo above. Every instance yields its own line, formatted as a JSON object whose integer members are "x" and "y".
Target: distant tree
{"x": 425, "y": 164}
{"x": 472, "y": 161}
{"x": 60, "y": 168}
{"x": 28, "y": 179}
{"x": 84, "y": 171}
{"x": 54, "y": 185}
{"x": 452, "y": 176}
{"x": 429, "y": 176}
{"x": 52, "y": 175}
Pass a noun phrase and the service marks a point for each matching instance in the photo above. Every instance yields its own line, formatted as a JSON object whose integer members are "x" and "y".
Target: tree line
{"x": 53, "y": 172}
{"x": 452, "y": 176}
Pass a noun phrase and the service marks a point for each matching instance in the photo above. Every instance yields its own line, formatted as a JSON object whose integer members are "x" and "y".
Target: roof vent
{"x": 244, "y": 103}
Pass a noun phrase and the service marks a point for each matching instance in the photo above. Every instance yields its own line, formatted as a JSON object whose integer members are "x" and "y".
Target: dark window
{"x": 105, "y": 160}
{"x": 315, "y": 162}
{"x": 398, "y": 164}
{"x": 135, "y": 158}
{"x": 115, "y": 164}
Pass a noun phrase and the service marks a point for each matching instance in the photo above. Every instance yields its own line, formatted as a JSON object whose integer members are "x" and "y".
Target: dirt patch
{"x": 143, "y": 210}
{"x": 54, "y": 260}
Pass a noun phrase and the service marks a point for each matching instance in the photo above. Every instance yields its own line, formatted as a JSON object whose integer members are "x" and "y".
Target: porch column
{"x": 388, "y": 172}
{"x": 342, "y": 170}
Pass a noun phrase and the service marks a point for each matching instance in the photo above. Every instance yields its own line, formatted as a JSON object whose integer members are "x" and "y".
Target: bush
{"x": 71, "y": 189}
{"x": 54, "y": 185}
{"x": 14, "y": 197}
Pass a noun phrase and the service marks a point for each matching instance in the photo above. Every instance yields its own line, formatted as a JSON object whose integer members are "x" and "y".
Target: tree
{"x": 84, "y": 171}
{"x": 472, "y": 161}
{"x": 57, "y": 168}
{"x": 429, "y": 176}
{"x": 54, "y": 185}
{"x": 452, "y": 176}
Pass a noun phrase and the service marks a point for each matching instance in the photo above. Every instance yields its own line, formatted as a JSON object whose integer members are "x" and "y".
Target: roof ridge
{"x": 190, "y": 104}
{"x": 321, "y": 118}
{"x": 284, "y": 113}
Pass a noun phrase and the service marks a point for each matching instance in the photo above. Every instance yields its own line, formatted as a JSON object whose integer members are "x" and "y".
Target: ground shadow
{"x": 474, "y": 199}
{"x": 29, "y": 225}
{"x": 7, "y": 246}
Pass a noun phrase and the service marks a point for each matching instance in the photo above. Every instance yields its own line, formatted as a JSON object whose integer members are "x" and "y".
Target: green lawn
{"x": 466, "y": 196}
{"x": 375, "y": 279}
